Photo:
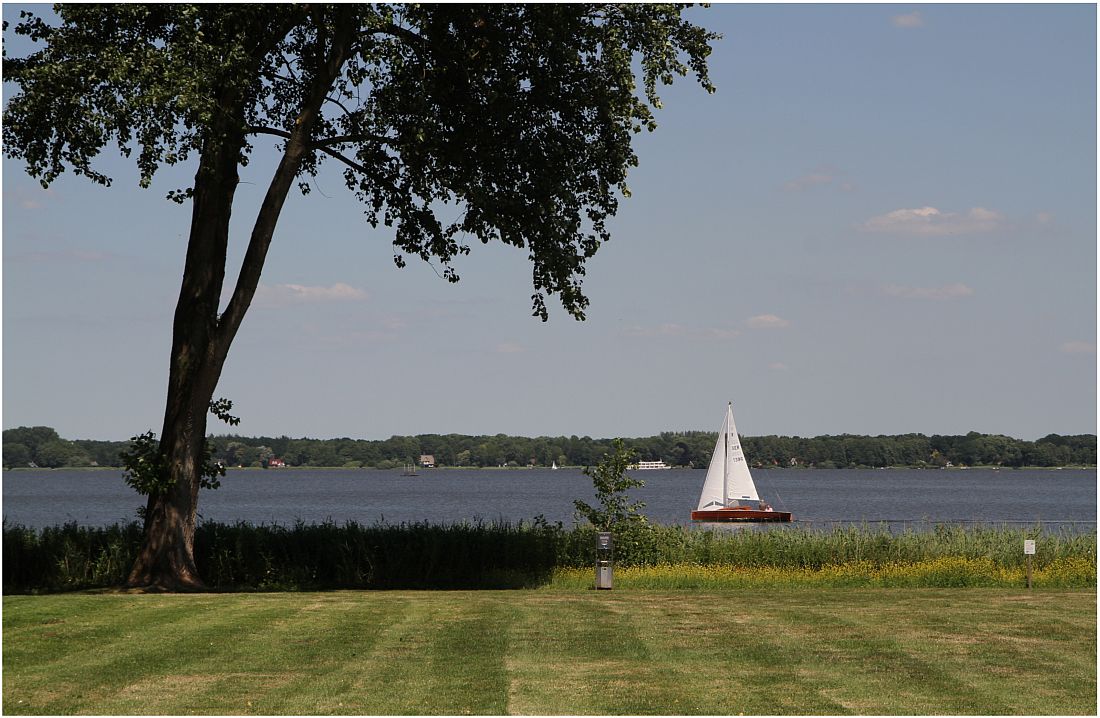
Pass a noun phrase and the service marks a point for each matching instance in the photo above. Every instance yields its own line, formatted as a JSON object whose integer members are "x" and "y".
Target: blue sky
{"x": 883, "y": 222}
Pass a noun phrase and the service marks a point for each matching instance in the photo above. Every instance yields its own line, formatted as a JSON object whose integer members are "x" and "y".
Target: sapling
{"x": 611, "y": 482}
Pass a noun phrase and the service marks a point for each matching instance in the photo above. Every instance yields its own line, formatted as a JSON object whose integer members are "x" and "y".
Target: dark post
{"x": 1029, "y": 551}
{"x": 604, "y": 560}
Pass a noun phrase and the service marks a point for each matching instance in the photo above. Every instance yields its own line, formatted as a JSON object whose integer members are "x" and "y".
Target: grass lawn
{"x": 767, "y": 651}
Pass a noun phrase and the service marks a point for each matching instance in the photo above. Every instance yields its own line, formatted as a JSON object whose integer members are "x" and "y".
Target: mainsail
{"x": 728, "y": 479}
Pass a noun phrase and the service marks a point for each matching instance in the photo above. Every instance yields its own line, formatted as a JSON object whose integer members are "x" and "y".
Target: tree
{"x": 32, "y": 437}
{"x": 611, "y": 482}
{"x": 521, "y": 115}
{"x": 16, "y": 454}
{"x": 54, "y": 454}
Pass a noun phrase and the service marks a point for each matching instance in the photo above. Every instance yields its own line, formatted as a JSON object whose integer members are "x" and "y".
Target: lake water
{"x": 1057, "y": 498}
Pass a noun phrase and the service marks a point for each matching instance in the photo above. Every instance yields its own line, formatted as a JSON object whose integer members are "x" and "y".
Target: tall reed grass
{"x": 528, "y": 554}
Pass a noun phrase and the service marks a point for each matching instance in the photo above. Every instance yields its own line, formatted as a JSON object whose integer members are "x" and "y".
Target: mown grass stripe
{"x": 774, "y": 651}
{"x": 413, "y": 655}
{"x": 314, "y": 648}
{"x": 355, "y": 660}
{"x": 122, "y": 639}
{"x": 891, "y": 651}
{"x": 729, "y": 659}
{"x": 931, "y": 652}
{"x": 1019, "y": 640}
{"x": 590, "y": 648}
{"x": 467, "y": 658}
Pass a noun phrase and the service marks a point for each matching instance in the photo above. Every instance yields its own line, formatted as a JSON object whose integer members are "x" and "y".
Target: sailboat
{"x": 554, "y": 465}
{"x": 729, "y": 493}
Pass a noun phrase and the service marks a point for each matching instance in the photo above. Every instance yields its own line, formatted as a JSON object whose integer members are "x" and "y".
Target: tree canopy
{"x": 452, "y": 124}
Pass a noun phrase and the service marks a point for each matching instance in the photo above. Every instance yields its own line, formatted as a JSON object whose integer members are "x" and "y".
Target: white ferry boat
{"x": 649, "y": 466}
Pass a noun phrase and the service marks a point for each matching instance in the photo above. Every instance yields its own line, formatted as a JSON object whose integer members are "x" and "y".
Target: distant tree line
{"x": 41, "y": 446}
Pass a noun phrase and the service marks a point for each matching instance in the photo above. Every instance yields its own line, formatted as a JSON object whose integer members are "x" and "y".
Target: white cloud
{"x": 281, "y": 295}
{"x": 947, "y": 291}
{"x": 767, "y": 321}
{"x": 1078, "y": 347}
{"x": 679, "y": 330}
{"x": 931, "y": 222}
{"x": 913, "y": 19}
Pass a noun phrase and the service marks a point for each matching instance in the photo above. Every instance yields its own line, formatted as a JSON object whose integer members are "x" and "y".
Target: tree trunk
{"x": 200, "y": 338}
{"x": 166, "y": 562}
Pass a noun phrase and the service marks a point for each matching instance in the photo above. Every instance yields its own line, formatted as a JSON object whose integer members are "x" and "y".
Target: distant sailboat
{"x": 554, "y": 465}
{"x": 729, "y": 493}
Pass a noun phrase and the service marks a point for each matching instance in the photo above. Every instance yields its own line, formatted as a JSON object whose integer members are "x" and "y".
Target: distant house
{"x": 276, "y": 464}
{"x": 427, "y": 461}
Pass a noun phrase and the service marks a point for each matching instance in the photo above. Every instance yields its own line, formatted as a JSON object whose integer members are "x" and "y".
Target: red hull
{"x": 740, "y": 513}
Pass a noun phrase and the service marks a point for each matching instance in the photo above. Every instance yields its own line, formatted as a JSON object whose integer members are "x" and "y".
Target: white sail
{"x": 713, "y": 494}
{"x": 739, "y": 486}
{"x": 728, "y": 479}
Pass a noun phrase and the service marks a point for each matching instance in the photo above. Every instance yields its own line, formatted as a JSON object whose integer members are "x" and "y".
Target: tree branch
{"x": 346, "y": 160}
{"x": 323, "y": 144}
{"x": 344, "y": 139}
{"x": 339, "y": 104}
{"x": 290, "y": 68}
{"x": 263, "y": 130}
{"x": 402, "y": 33}
{"x": 348, "y": 113}
{"x": 296, "y": 148}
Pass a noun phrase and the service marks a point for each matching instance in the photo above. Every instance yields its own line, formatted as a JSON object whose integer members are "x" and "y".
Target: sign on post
{"x": 1029, "y": 551}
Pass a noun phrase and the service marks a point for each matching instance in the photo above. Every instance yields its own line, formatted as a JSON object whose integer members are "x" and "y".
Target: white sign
{"x": 1029, "y": 547}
